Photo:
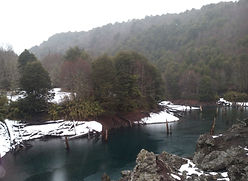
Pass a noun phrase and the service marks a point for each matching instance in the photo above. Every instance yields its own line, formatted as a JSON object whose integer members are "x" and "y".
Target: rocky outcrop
{"x": 150, "y": 166}
{"x": 165, "y": 167}
{"x": 224, "y": 152}
{"x": 219, "y": 157}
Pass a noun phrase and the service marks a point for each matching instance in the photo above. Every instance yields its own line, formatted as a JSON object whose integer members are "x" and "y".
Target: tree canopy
{"x": 35, "y": 85}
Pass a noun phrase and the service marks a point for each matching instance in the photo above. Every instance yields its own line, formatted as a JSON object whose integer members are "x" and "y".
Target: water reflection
{"x": 89, "y": 159}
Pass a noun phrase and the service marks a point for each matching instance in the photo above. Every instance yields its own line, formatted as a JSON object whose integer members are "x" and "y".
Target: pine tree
{"x": 35, "y": 85}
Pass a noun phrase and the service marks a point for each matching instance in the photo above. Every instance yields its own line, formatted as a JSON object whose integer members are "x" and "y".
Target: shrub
{"x": 236, "y": 96}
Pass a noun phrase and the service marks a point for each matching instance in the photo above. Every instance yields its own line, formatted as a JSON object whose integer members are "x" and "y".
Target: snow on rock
{"x": 174, "y": 107}
{"x": 216, "y": 136}
{"x": 244, "y": 104}
{"x": 161, "y": 117}
{"x": 14, "y": 133}
{"x": 175, "y": 176}
{"x": 246, "y": 149}
{"x": 224, "y": 102}
{"x": 191, "y": 169}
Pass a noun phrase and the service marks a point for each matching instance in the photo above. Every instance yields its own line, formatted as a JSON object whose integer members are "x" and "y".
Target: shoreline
{"x": 193, "y": 102}
{"x": 14, "y": 133}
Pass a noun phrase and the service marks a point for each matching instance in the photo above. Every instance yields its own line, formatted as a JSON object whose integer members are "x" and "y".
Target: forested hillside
{"x": 200, "y": 53}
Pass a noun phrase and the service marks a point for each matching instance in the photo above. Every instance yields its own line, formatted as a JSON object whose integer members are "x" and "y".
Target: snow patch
{"x": 190, "y": 168}
{"x": 175, "y": 176}
{"x": 224, "y": 102}
{"x": 59, "y": 96}
{"x": 216, "y": 136}
{"x": 4, "y": 140}
{"x": 174, "y": 107}
{"x": 161, "y": 117}
{"x": 14, "y": 132}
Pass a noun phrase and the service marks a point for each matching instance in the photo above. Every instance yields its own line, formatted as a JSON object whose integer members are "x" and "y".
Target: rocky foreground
{"x": 219, "y": 157}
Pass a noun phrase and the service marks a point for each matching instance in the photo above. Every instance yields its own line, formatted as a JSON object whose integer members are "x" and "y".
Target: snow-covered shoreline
{"x": 224, "y": 102}
{"x": 13, "y": 133}
{"x": 167, "y": 115}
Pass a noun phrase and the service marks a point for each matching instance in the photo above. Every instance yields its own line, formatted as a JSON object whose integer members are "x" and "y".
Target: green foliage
{"x": 35, "y": 81}
{"x": 76, "y": 109}
{"x": 206, "y": 92}
{"x": 104, "y": 80}
{"x": 236, "y": 96}
{"x": 208, "y": 42}
{"x": 73, "y": 54}
{"x": 3, "y": 107}
{"x": 8, "y": 70}
{"x": 24, "y": 58}
{"x": 35, "y": 84}
{"x": 139, "y": 84}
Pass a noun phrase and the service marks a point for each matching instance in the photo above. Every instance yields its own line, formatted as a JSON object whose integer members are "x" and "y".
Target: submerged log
{"x": 212, "y": 127}
{"x": 167, "y": 128}
{"x": 104, "y": 134}
{"x": 66, "y": 143}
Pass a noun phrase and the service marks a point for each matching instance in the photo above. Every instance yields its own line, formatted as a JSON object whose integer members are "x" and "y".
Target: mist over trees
{"x": 8, "y": 70}
{"x": 186, "y": 47}
{"x": 196, "y": 55}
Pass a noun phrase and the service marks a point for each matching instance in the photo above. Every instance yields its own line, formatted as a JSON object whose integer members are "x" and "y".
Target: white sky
{"x": 26, "y": 23}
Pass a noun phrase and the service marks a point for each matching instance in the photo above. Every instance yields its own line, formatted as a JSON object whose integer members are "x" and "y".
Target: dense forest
{"x": 199, "y": 54}
{"x": 106, "y": 85}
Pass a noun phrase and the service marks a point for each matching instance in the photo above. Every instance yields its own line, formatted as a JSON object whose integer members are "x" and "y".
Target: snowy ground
{"x": 174, "y": 107}
{"x": 59, "y": 96}
{"x": 167, "y": 115}
{"x": 224, "y": 102}
{"x": 13, "y": 133}
{"x": 4, "y": 140}
{"x": 191, "y": 169}
{"x": 161, "y": 117}
{"x": 21, "y": 132}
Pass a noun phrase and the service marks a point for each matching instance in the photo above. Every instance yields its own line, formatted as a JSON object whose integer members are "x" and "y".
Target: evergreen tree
{"x": 35, "y": 85}
{"x": 206, "y": 91}
{"x": 103, "y": 77}
{"x": 3, "y": 107}
{"x": 24, "y": 58}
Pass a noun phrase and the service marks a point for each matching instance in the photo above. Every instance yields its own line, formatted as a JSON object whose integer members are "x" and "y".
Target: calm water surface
{"x": 87, "y": 160}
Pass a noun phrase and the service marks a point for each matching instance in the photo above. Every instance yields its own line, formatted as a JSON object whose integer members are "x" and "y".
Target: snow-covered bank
{"x": 161, "y": 117}
{"x": 174, "y": 107}
{"x": 224, "y": 102}
{"x": 4, "y": 140}
{"x": 59, "y": 96}
{"x": 167, "y": 115}
{"x": 14, "y": 133}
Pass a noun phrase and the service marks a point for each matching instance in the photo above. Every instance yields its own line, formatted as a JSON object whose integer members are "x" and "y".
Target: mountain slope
{"x": 221, "y": 25}
{"x": 199, "y": 52}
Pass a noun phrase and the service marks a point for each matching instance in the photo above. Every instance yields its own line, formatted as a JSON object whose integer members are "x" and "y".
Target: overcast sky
{"x": 26, "y": 23}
